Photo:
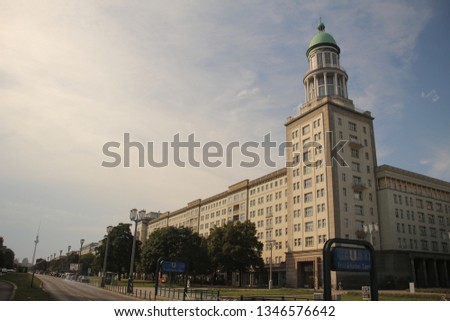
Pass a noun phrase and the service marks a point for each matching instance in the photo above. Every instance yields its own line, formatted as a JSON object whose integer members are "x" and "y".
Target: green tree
{"x": 119, "y": 250}
{"x": 6, "y": 258}
{"x": 41, "y": 265}
{"x": 235, "y": 247}
{"x": 176, "y": 244}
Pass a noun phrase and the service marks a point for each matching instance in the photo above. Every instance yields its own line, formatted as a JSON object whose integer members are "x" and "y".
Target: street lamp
{"x": 136, "y": 217}
{"x": 79, "y": 257}
{"x": 108, "y": 230}
{"x": 270, "y": 243}
{"x": 68, "y": 252}
{"x": 371, "y": 228}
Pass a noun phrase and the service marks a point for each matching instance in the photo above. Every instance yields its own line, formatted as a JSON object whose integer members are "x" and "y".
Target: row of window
{"x": 421, "y": 190}
{"x": 431, "y": 218}
{"x": 429, "y": 205}
{"x": 323, "y": 59}
{"x": 276, "y": 259}
{"x": 267, "y": 198}
{"x": 268, "y": 186}
{"x": 309, "y": 241}
{"x": 309, "y": 211}
{"x": 413, "y": 245}
{"x": 352, "y": 126}
{"x": 411, "y": 230}
{"x": 234, "y": 198}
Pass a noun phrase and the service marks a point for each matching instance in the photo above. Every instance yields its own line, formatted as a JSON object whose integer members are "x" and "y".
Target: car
{"x": 84, "y": 279}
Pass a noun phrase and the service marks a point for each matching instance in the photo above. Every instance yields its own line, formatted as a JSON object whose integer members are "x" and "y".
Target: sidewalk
{"x": 7, "y": 291}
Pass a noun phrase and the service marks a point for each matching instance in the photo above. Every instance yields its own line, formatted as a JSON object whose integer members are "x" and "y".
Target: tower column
{"x": 306, "y": 85}
{"x": 335, "y": 84}
{"x": 344, "y": 83}
{"x": 325, "y": 83}
{"x": 316, "y": 87}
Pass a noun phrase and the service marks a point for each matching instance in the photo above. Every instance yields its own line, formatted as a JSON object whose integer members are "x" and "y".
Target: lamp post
{"x": 136, "y": 217}
{"x": 371, "y": 228}
{"x": 79, "y": 257}
{"x": 68, "y": 263}
{"x": 270, "y": 243}
{"x": 108, "y": 230}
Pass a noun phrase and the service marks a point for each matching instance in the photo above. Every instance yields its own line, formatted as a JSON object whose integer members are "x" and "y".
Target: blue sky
{"x": 77, "y": 74}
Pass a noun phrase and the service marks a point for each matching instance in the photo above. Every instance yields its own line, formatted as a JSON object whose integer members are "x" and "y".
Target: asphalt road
{"x": 65, "y": 290}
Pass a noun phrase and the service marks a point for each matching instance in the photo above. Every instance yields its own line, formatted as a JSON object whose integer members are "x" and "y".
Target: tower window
{"x": 319, "y": 60}
{"x": 327, "y": 58}
{"x": 334, "y": 59}
{"x": 330, "y": 85}
{"x": 321, "y": 82}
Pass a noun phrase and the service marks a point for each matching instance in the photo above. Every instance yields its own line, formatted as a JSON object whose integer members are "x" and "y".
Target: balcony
{"x": 358, "y": 186}
{"x": 355, "y": 144}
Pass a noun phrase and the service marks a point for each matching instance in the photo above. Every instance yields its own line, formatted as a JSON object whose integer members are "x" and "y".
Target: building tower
{"x": 330, "y": 168}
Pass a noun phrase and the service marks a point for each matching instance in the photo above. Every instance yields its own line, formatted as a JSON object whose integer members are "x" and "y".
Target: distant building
{"x": 89, "y": 248}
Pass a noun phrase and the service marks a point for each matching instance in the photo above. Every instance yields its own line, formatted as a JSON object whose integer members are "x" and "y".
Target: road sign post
{"x": 350, "y": 259}
{"x": 164, "y": 265}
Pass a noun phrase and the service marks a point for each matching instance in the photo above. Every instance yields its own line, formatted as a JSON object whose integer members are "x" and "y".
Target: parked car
{"x": 84, "y": 279}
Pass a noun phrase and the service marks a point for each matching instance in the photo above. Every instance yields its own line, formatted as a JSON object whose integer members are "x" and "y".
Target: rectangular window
{"x": 352, "y": 126}
{"x": 355, "y": 153}
{"x": 356, "y": 167}
{"x": 309, "y": 241}
{"x": 330, "y": 85}
{"x": 309, "y": 227}
{"x": 307, "y": 183}
{"x": 319, "y": 60}
{"x": 359, "y": 210}
{"x": 308, "y": 197}
{"x": 334, "y": 59}
{"x": 305, "y": 130}
{"x": 308, "y": 211}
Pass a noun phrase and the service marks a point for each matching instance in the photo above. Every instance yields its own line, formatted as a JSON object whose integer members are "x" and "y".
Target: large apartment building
{"x": 332, "y": 187}
{"x": 415, "y": 228}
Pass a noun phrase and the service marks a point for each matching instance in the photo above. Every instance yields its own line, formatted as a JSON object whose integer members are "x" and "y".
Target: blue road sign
{"x": 351, "y": 259}
{"x": 177, "y": 267}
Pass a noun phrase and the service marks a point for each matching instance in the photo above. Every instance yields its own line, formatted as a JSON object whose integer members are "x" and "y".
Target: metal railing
{"x": 190, "y": 295}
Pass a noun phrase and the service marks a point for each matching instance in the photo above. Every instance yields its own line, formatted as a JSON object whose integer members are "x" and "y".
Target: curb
{"x": 13, "y": 292}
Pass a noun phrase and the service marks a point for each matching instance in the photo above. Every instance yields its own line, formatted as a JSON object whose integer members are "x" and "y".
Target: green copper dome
{"x": 322, "y": 38}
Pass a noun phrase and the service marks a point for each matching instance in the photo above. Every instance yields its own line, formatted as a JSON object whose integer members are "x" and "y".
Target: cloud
{"x": 74, "y": 76}
{"x": 432, "y": 95}
{"x": 438, "y": 163}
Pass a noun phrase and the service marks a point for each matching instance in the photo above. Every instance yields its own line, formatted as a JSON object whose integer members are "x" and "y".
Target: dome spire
{"x": 321, "y": 26}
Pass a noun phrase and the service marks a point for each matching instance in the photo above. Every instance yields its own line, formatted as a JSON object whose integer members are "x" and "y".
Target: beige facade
{"x": 331, "y": 187}
{"x": 262, "y": 201}
{"x": 415, "y": 227}
{"x": 415, "y": 211}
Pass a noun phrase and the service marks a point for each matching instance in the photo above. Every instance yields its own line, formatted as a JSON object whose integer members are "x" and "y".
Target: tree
{"x": 235, "y": 247}
{"x": 180, "y": 244}
{"x": 119, "y": 250}
{"x": 7, "y": 258}
{"x": 41, "y": 265}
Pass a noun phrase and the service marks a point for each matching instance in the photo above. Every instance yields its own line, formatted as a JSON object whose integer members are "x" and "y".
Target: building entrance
{"x": 306, "y": 274}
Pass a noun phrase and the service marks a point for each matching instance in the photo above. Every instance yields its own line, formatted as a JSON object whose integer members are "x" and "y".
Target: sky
{"x": 76, "y": 75}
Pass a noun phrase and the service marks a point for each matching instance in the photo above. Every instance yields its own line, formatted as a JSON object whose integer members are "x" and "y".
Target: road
{"x": 65, "y": 290}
